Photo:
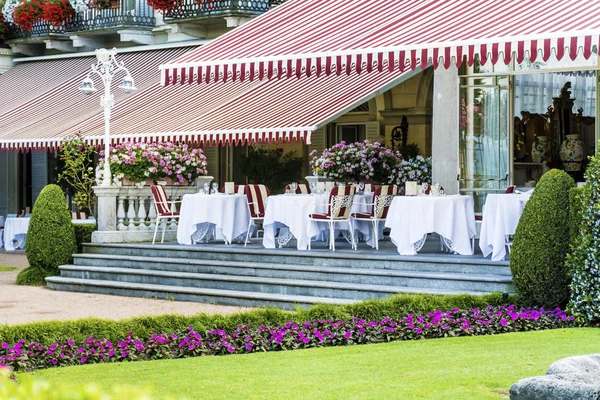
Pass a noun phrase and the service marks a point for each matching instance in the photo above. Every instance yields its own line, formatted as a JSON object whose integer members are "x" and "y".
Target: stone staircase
{"x": 253, "y": 276}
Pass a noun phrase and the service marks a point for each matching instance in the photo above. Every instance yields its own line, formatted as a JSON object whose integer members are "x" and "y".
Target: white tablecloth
{"x": 501, "y": 214}
{"x": 89, "y": 220}
{"x": 15, "y": 228}
{"x": 292, "y": 211}
{"x": 228, "y": 213}
{"x": 412, "y": 217}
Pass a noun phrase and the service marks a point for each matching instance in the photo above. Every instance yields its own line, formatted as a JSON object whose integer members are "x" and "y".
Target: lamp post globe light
{"x": 107, "y": 68}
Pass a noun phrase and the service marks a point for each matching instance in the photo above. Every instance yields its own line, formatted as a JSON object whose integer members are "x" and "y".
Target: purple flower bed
{"x": 23, "y": 356}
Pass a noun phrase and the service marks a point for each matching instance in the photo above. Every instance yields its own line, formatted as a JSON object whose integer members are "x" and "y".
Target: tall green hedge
{"x": 541, "y": 243}
{"x": 584, "y": 259}
{"x": 51, "y": 236}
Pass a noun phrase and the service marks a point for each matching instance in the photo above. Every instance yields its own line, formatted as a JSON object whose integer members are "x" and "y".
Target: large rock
{"x": 573, "y": 378}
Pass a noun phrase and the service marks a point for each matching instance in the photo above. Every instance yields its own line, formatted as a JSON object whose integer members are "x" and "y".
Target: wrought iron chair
{"x": 257, "y": 201}
{"x": 163, "y": 209}
{"x": 371, "y": 188}
{"x": 301, "y": 189}
{"x": 382, "y": 199}
{"x": 339, "y": 209}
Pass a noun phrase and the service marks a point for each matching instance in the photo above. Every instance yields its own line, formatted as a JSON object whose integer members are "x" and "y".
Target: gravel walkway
{"x": 21, "y": 304}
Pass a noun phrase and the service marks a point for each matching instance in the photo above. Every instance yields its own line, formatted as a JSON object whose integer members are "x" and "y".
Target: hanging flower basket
{"x": 27, "y": 13}
{"x": 103, "y": 4}
{"x": 57, "y": 12}
{"x": 165, "y": 6}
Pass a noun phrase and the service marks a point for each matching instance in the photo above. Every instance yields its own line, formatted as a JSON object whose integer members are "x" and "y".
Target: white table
{"x": 292, "y": 211}
{"x": 411, "y": 218}
{"x": 15, "y": 229}
{"x": 501, "y": 214}
{"x": 228, "y": 214}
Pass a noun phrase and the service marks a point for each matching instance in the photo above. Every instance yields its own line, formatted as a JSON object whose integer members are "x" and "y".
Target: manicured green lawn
{"x": 4, "y": 269}
{"x": 459, "y": 368}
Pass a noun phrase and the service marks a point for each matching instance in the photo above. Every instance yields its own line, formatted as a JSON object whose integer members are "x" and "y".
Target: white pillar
{"x": 444, "y": 143}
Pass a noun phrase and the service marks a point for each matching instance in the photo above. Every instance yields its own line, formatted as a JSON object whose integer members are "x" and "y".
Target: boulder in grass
{"x": 573, "y": 378}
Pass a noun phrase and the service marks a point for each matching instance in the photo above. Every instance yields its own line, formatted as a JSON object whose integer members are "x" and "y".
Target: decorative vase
{"x": 539, "y": 150}
{"x": 572, "y": 153}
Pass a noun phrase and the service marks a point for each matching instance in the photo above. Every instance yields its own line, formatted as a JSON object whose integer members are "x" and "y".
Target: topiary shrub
{"x": 541, "y": 243}
{"x": 584, "y": 259}
{"x": 51, "y": 236}
{"x": 31, "y": 276}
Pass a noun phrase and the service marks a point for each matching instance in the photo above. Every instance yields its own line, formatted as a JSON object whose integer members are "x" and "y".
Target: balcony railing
{"x": 141, "y": 15}
{"x": 40, "y": 29}
{"x": 218, "y": 8}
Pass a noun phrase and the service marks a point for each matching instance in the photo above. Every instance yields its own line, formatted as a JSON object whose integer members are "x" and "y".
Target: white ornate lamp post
{"x": 107, "y": 68}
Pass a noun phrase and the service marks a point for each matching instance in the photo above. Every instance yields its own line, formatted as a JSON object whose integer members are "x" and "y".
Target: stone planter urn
{"x": 539, "y": 149}
{"x": 201, "y": 180}
{"x": 572, "y": 153}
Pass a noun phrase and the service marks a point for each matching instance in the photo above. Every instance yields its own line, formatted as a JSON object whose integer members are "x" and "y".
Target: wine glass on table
{"x": 425, "y": 187}
{"x": 361, "y": 186}
{"x": 313, "y": 187}
{"x": 215, "y": 188}
{"x": 294, "y": 187}
{"x": 207, "y": 188}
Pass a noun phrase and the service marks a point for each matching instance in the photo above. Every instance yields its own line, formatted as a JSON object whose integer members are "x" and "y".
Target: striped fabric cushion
{"x": 161, "y": 199}
{"x": 301, "y": 189}
{"x": 510, "y": 189}
{"x": 257, "y": 199}
{"x": 381, "y": 200}
{"x": 371, "y": 188}
{"x": 78, "y": 215}
{"x": 340, "y": 201}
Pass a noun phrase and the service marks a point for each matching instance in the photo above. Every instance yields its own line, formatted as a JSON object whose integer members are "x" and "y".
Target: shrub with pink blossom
{"x": 22, "y": 356}
{"x": 156, "y": 161}
{"x": 357, "y": 162}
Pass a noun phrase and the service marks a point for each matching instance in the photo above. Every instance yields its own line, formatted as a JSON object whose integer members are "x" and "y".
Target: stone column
{"x": 444, "y": 143}
{"x": 107, "y": 211}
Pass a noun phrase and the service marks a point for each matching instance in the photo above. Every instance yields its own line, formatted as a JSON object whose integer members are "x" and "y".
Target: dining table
{"x": 15, "y": 233}
{"x": 288, "y": 215}
{"x": 224, "y": 216}
{"x": 412, "y": 218}
{"x": 500, "y": 217}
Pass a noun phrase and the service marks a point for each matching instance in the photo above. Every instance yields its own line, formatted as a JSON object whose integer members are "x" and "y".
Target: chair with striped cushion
{"x": 78, "y": 215}
{"x": 257, "y": 201}
{"x": 163, "y": 209}
{"x": 301, "y": 189}
{"x": 371, "y": 188}
{"x": 382, "y": 199}
{"x": 339, "y": 209}
{"x": 237, "y": 189}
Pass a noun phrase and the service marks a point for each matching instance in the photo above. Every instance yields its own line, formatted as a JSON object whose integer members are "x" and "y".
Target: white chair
{"x": 257, "y": 201}
{"x": 341, "y": 199}
{"x": 382, "y": 199}
{"x": 163, "y": 209}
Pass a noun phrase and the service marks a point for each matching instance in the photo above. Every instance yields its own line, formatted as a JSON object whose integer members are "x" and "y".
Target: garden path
{"x": 22, "y": 304}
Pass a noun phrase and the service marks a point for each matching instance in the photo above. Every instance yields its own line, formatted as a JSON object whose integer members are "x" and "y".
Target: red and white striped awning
{"x": 315, "y": 37}
{"x": 42, "y": 100}
{"x": 283, "y": 110}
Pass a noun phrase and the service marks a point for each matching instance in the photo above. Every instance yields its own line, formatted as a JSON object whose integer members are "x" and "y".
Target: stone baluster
{"x": 131, "y": 214}
{"x": 141, "y": 213}
{"x": 121, "y": 214}
{"x": 152, "y": 214}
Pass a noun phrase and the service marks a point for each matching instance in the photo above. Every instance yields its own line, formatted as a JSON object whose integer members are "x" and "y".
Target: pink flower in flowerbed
{"x": 24, "y": 356}
{"x": 140, "y": 161}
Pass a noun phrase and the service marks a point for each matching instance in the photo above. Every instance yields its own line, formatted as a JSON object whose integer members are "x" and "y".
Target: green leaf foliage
{"x": 395, "y": 307}
{"x": 31, "y": 276}
{"x": 584, "y": 259}
{"x": 83, "y": 234}
{"x": 541, "y": 242}
{"x": 51, "y": 236}
{"x": 271, "y": 167}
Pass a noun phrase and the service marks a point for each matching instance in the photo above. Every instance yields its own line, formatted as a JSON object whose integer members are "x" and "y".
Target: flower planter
{"x": 201, "y": 181}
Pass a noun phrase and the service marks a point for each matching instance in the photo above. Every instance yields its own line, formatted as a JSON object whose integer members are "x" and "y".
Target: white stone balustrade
{"x": 128, "y": 214}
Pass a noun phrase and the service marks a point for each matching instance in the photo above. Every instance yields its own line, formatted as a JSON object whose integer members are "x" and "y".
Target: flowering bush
{"x": 416, "y": 169}
{"x": 317, "y": 333}
{"x": 100, "y": 4}
{"x": 27, "y": 13}
{"x": 165, "y": 6}
{"x": 358, "y": 161}
{"x": 156, "y": 161}
{"x": 56, "y": 12}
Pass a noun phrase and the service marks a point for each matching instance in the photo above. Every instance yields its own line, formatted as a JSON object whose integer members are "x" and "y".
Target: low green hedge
{"x": 83, "y": 234}
{"x": 395, "y": 307}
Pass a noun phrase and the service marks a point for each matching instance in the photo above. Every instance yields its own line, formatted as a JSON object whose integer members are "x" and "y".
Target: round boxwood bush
{"x": 541, "y": 242}
{"x": 51, "y": 236}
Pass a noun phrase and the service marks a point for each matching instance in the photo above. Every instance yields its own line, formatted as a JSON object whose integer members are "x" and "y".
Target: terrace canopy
{"x": 312, "y": 37}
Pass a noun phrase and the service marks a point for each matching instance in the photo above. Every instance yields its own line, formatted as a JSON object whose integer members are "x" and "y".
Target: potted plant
{"x": 56, "y": 12}
{"x": 165, "y": 6}
{"x": 417, "y": 169}
{"x": 360, "y": 161}
{"x": 154, "y": 162}
{"x": 27, "y": 13}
